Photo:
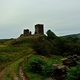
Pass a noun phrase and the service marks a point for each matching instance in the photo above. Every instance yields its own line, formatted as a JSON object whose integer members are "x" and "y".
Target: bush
{"x": 74, "y": 73}
{"x": 42, "y": 48}
{"x": 38, "y": 65}
{"x": 4, "y": 58}
{"x": 50, "y": 35}
{"x": 35, "y": 64}
{"x": 46, "y": 70}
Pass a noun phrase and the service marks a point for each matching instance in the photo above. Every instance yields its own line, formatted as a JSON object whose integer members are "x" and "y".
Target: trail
{"x": 22, "y": 74}
{"x": 2, "y": 73}
{"x": 50, "y": 79}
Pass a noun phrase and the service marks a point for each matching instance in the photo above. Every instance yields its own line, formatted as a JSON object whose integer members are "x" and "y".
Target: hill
{"x": 73, "y": 35}
{"x": 17, "y": 53}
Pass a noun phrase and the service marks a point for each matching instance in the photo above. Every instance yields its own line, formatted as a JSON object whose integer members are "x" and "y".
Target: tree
{"x": 51, "y": 35}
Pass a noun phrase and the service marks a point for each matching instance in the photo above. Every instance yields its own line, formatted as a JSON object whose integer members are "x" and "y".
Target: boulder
{"x": 59, "y": 71}
{"x": 69, "y": 61}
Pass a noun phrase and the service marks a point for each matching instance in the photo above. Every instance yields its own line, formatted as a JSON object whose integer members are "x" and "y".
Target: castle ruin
{"x": 27, "y": 32}
{"x": 39, "y": 30}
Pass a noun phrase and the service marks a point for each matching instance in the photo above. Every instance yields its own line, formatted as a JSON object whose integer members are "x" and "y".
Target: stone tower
{"x": 26, "y": 32}
{"x": 39, "y": 29}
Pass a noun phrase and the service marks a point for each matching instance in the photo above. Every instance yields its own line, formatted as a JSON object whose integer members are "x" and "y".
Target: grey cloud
{"x": 61, "y": 16}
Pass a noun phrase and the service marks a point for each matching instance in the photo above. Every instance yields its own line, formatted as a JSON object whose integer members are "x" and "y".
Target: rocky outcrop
{"x": 71, "y": 60}
{"x": 59, "y": 71}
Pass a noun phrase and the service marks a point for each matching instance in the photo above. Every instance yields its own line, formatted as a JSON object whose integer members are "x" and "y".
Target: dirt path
{"x": 50, "y": 79}
{"x": 15, "y": 77}
{"x": 2, "y": 73}
{"x": 21, "y": 73}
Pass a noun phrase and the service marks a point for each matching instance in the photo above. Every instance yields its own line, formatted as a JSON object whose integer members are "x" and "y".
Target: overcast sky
{"x": 60, "y": 16}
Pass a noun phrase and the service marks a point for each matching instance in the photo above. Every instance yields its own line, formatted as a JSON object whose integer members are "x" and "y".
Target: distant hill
{"x": 73, "y": 35}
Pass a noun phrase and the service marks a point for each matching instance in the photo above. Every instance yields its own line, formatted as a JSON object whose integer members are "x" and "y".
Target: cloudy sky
{"x": 61, "y": 16}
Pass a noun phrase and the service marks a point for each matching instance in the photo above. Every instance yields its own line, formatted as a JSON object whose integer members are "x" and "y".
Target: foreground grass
{"x": 12, "y": 50}
{"x": 15, "y": 51}
{"x": 33, "y": 76}
{"x": 51, "y": 60}
{"x": 12, "y": 70}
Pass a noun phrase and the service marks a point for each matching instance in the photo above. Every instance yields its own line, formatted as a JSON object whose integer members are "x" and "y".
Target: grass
{"x": 56, "y": 59}
{"x": 10, "y": 52}
{"x": 12, "y": 70}
{"x": 51, "y": 60}
{"x": 15, "y": 51}
{"x": 33, "y": 76}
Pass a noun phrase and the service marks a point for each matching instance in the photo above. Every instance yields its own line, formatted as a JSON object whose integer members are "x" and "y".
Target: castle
{"x": 39, "y": 30}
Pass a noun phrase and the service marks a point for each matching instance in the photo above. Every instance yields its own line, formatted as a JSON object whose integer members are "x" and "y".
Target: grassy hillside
{"x": 13, "y": 51}
{"x": 50, "y": 49}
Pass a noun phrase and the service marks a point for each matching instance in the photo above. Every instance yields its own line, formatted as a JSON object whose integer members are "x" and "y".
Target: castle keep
{"x": 39, "y": 30}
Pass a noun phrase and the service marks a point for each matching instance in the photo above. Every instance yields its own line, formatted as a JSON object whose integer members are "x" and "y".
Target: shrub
{"x": 51, "y": 35}
{"x": 35, "y": 64}
{"x": 38, "y": 65}
{"x": 47, "y": 70}
{"x": 74, "y": 73}
{"x": 42, "y": 48}
{"x": 4, "y": 58}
